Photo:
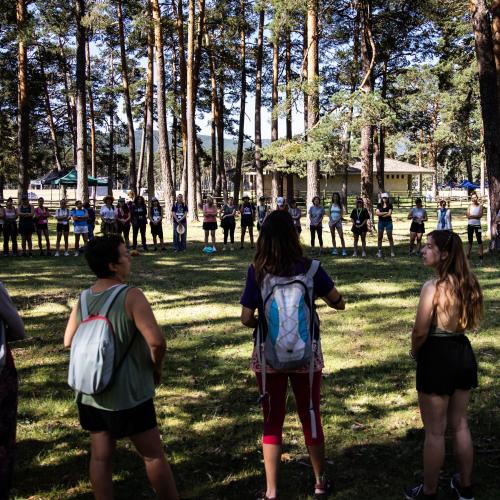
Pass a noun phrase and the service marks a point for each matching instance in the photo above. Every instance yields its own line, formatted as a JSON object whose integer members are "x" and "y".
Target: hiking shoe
{"x": 416, "y": 492}
{"x": 214, "y": 249}
{"x": 334, "y": 251}
{"x": 379, "y": 254}
{"x": 66, "y": 254}
{"x": 77, "y": 253}
{"x": 262, "y": 495}
{"x": 322, "y": 490}
{"x": 462, "y": 493}
{"x": 344, "y": 252}
{"x": 56, "y": 254}
{"x": 354, "y": 254}
{"x": 363, "y": 254}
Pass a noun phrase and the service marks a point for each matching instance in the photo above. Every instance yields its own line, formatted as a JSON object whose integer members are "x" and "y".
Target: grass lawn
{"x": 207, "y": 405}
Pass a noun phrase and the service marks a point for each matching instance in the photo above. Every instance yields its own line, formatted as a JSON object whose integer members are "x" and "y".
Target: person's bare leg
{"x": 317, "y": 457}
{"x": 102, "y": 446}
{"x": 356, "y": 238}
{"x": 66, "y": 241}
{"x": 419, "y": 242}
{"x": 272, "y": 457}
{"x": 462, "y": 440}
{"x": 243, "y": 231}
{"x": 412, "y": 241}
{"x": 77, "y": 242}
{"x": 212, "y": 234}
{"x": 206, "y": 238}
{"x": 433, "y": 409}
{"x": 469, "y": 249}
{"x": 363, "y": 242}
{"x": 58, "y": 241}
{"x": 47, "y": 241}
{"x": 341, "y": 236}
{"x": 334, "y": 242}
{"x": 380, "y": 237}
{"x": 150, "y": 447}
{"x": 250, "y": 233}
{"x": 391, "y": 240}
{"x": 480, "y": 250}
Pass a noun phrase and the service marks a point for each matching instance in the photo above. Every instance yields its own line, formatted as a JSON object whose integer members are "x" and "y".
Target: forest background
{"x": 91, "y": 83}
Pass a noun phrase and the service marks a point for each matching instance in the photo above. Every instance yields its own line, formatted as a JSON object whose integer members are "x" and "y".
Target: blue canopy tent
{"x": 469, "y": 185}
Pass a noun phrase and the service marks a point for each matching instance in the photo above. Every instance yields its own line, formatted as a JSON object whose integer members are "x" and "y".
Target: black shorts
{"x": 42, "y": 226}
{"x": 246, "y": 222}
{"x": 62, "y": 228}
{"x": 26, "y": 228}
{"x": 417, "y": 227}
{"x": 210, "y": 226}
{"x": 121, "y": 423}
{"x": 156, "y": 230}
{"x": 358, "y": 231}
{"x": 470, "y": 234}
{"x": 445, "y": 364}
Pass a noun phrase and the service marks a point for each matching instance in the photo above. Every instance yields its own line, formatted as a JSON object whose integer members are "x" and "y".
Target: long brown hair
{"x": 278, "y": 247}
{"x": 457, "y": 279}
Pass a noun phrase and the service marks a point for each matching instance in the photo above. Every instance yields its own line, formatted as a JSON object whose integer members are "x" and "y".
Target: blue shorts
{"x": 384, "y": 224}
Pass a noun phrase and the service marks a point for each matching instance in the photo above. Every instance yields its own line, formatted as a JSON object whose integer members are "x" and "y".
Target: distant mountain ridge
{"x": 230, "y": 145}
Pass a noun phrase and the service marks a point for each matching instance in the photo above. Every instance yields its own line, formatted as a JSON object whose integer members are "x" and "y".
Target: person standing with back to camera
{"x": 450, "y": 304}
{"x": 279, "y": 264}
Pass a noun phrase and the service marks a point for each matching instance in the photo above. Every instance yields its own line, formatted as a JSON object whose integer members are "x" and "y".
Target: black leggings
{"x": 314, "y": 230}
{"x": 229, "y": 231}
{"x": 9, "y": 232}
{"x": 142, "y": 229}
{"x": 470, "y": 234}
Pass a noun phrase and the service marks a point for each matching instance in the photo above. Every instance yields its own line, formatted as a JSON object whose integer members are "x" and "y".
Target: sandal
{"x": 262, "y": 496}
{"x": 322, "y": 490}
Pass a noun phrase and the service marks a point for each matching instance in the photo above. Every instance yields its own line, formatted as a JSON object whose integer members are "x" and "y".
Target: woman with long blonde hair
{"x": 450, "y": 304}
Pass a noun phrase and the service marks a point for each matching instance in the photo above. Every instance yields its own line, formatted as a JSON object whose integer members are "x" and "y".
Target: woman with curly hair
{"x": 450, "y": 304}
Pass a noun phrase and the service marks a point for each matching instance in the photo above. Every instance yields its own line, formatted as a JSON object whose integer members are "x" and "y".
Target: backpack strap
{"x": 104, "y": 311}
{"x": 313, "y": 269}
{"x": 84, "y": 310}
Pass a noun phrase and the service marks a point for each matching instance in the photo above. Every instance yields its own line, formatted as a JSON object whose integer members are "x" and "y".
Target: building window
{"x": 402, "y": 177}
{"x": 392, "y": 176}
{"x": 397, "y": 176}
{"x": 387, "y": 176}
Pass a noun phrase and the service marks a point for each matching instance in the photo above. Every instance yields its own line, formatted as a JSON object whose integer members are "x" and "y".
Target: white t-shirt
{"x": 62, "y": 212}
{"x": 108, "y": 213}
{"x": 474, "y": 210}
{"x": 335, "y": 214}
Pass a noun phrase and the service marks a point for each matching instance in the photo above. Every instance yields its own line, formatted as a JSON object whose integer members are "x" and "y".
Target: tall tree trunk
{"x": 143, "y": 150}
{"x": 243, "y": 98}
{"x": 305, "y": 50}
{"x": 274, "y": 113}
{"x": 288, "y": 78}
{"x": 82, "y": 190}
{"x": 190, "y": 112}
{"x": 379, "y": 142}
{"x": 111, "y": 113}
{"x": 367, "y": 63}
{"x": 213, "y": 141}
{"x": 259, "y": 176}
{"x": 166, "y": 167}
{"x": 23, "y": 140}
{"x": 312, "y": 93}
{"x": 174, "y": 123}
{"x": 150, "y": 117}
{"x": 132, "y": 169}
{"x": 93, "y": 149}
{"x": 50, "y": 116}
{"x": 220, "y": 139}
{"x": 69, "y": 98}
{"x": 489, "y": 94}
{"x": 179, "y": 23}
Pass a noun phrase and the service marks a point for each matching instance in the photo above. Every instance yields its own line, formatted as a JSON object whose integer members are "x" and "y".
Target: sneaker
{"x": 214, "y": 249}
{"x": 334, "y": 251}
{"x": 232, "y": 248}
{"x": 379, "y": 254}
{"x": 224, "y": 248}
{"x": 393, "y": 254}
{"x": 77, "y": 253}
{"x": 363, "y": 254}
{"x": 66, "y": 254}
{"x": 462, "y": 493}
{"x": 323, "y": 489}
{"x": 56, "y": 254}
{"x": 355, "y": 254}
{"x": 415, "y": 492}
{"x": 344, "y": 252}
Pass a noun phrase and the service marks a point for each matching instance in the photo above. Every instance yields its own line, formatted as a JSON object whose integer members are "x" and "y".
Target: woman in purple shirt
{"x": 279, "y": 253}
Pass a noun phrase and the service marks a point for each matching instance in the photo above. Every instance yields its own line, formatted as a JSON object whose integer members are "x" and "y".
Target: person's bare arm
{"x": 426, "y": 218}
{"x": 334, "y": 299}
{"x": 248, "y": 317}
{"x": 423, "y": 319}
{"x": 410, "y": 215}
{"x": 139, "y": 310}
{"x": 11, "y": 317}
{"x": 71, "y": 326}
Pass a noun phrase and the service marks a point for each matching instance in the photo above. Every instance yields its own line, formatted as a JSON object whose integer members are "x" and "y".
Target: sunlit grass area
{"x": 207, "y": 406}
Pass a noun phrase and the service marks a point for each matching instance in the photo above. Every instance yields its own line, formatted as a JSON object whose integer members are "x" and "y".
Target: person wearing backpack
{"x": 281, "y": 285}
{"x": 11, "y": 328}
{"x": 115, "y": 377}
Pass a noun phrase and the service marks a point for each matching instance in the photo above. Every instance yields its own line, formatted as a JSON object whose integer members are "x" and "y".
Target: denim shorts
{"x": 384, "y": 224}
